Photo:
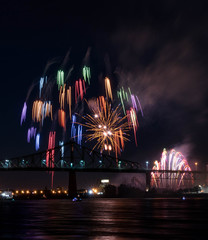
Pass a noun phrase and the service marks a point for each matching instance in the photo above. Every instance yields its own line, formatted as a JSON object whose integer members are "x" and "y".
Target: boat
{"x": 76, "y": 199}
{"x": 6, "y": 195}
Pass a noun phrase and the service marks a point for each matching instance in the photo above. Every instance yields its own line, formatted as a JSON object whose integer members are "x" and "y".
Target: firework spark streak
{"x": 69, "y": 100}
{"x": 122, "y": 95}
{"x": 86, "y": 74}
{"x": 60, "y": 78}
{"x": 42, "y": 80}
{"x": 62, "y": 96}
{"x": 37, "y": 142}
{"x": 79, "y": 89}
{"x": 50, "y": 154}
{"x": 41, "y": 110}
{"x": 108, "y": 88}
{"x": 73, "y": 128}
{"x": 23, "y": 115}
{"x": 31, "y": 133}
{"x": 62, "y": 118}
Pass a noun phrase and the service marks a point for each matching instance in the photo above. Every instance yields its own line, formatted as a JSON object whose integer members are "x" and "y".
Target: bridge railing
{"x": 68, "y": 156}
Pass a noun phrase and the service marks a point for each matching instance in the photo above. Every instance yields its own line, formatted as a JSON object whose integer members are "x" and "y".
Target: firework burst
{"x": 106, "y": 126}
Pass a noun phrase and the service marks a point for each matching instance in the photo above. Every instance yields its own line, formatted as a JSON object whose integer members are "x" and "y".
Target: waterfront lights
{"x": 82, "y": 163}
{"x": 196, "y": 164}
{"x": 104, "y": 180}
{"x": 94, "y": 190}
{"x": 147, "y": 163}
{"x": 90, "y": 192}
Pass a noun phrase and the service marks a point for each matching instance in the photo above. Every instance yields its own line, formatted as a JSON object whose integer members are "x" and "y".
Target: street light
{"x": 147, "y": 163}
{"x": 196, "y": 164}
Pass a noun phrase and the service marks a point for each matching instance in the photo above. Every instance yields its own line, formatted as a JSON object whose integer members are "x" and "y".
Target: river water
{"x": 102, "y": 219}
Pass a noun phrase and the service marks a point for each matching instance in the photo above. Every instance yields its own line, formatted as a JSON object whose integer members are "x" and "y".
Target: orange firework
{"x": 62, "y": 96}
{"x": 108, "y": 88}
{"x": 107, "y": 127}
{"x": 62, "y": 118}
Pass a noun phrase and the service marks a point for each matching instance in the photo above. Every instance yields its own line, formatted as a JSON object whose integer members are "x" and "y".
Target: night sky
{"x": 158, "y": 48}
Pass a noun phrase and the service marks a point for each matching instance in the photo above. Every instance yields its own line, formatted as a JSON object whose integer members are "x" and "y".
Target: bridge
{"x": 72, "y": 157}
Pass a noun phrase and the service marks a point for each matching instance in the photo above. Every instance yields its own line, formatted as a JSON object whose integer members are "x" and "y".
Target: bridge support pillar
{"x": 148, "y": 181}
{"x": 72, "y": 187}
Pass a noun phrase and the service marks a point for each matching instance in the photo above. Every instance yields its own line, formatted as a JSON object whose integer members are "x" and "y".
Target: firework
{"x": 79, "y": 89}
{"x": 73, "y": 128}
{"x": 60, "y": 78}
{"x": 61, "y": 143}
{"x": 23, "y": 115}
{"x": 50, "y": 154}
{"x": 62, "y": 96}
{"x": 69, "y": 100}
{"x": 122, "y": 95}
{"x": 140, "y": 106}
{"x": 42, "y": 80}
{"x": 62, "y": 118}
{"x": 86, "y": 74}
{"x": 106, "y": 127}
{"x": 31, "y": 133}
{"x": 108, "y": 88}
{"x": 79, "y": 135}
{"x": 171, "y": 161}
{"x": 132, "y": 121}
{"x": 37, "y": 142}
{"x": 41, "y": 110}
{"x": 76, "y": 132}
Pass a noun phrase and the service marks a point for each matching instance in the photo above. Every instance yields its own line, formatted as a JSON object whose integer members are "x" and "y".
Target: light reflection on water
{"x": 102, "y": 219}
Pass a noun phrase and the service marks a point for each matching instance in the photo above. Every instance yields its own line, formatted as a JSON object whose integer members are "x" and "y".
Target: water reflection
{"x": 114, "y": 219}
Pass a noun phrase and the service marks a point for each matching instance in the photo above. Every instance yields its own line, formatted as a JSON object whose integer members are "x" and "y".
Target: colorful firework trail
{"x": 23, "y": 115}
{"x": 171, "y": 161}
{"x": 59, "y": 97}
{"x": 50, "y": 153}
{"x": 86, "y": 74}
